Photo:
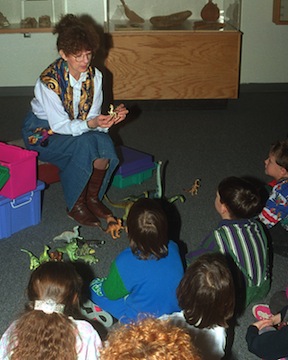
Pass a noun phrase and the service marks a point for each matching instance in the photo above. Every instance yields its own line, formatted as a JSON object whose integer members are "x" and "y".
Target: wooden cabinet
{"x": 175, "y": 64}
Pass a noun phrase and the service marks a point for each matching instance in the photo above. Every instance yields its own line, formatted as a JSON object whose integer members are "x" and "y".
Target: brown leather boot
{"x": 93, "y": 203}
{"x": 81, "y": 213}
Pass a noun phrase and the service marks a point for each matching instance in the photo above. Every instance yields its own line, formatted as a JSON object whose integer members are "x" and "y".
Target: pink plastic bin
{"x": 22, "y": 168}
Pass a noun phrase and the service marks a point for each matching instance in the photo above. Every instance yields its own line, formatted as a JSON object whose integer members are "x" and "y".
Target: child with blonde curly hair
{"x": 150, "y": 338}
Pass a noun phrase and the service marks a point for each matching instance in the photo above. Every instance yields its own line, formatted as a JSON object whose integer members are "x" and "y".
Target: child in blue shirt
{"x": 144, "y": 277}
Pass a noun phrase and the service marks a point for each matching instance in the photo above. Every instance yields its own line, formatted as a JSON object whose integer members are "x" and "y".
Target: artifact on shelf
{"x": 131, "y": 15}
{"x": 171, "y": 20}
{"x": 44, "y": 21}
{"x": 29, "y": 22}
{"x": 210, "y": 12}
{"x": 3, "y": 21}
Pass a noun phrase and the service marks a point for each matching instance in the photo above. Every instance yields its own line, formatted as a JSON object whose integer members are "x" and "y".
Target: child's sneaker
{"x": 93, "y": 312}
{"x": 261, "y": 312}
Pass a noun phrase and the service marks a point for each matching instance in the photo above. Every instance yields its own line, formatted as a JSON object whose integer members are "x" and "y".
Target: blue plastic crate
{"x": 20, "y": 213}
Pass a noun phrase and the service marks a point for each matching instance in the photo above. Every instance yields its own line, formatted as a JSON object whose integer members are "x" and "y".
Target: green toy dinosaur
{"x": 34, "y": 261}
{"x": 75, "y": 252}
{"x": 127, "y": 202}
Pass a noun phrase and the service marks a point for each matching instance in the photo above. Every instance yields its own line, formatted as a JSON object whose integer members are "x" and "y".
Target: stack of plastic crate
{"x": 134, "y": 167}
{"x": 20, "y": 195}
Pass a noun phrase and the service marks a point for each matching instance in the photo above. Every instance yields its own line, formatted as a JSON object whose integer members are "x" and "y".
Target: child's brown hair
{"x": 39, "y": 334}
{"x": 206, "y": 292}
{"x": 147, "y": 229}
{"x": 241, "y": 197}
{"x": 280, "y": 150}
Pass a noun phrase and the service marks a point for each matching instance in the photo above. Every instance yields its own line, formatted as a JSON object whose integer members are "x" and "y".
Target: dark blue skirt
{"x": 73, "y": 155}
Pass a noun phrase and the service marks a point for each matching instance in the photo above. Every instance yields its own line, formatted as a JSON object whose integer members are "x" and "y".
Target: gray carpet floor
{"x": 193, "y": 141}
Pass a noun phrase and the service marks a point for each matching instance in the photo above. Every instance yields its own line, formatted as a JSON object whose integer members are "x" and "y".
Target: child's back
{"x": 240, "y": 237}
{"x": 206, "y": 296}
{"x": 47, "y": 329}
{"x": 144, "y": 277}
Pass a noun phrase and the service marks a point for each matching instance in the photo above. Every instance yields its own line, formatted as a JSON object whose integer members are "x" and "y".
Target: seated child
{"x": 47, "y": 328}
{"x": 268, "y": 337}
{"x": 241, "y": 238}
{"x": 206, "y": 297}
{"x": 143, "y": 278}
{"x": 275, "y": 213}
{"x": 149, "y": 338}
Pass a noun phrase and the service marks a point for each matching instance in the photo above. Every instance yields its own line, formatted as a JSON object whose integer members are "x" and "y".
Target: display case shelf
{"x": 127, "y": 15}
{"x": 17, "y": 29}
{"x": 30, "y": 16}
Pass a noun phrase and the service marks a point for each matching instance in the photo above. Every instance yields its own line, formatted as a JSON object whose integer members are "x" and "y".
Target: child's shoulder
{"x": 84, "y": 327}
{"x": 281, "y": 187}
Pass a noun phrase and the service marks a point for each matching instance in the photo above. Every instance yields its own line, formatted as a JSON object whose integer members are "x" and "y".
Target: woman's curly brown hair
{"x": 75, "y": 35}
{"x": 150, "y": 338}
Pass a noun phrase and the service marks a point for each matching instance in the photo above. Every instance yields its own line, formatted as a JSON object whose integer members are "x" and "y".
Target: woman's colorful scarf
{"x": 56, "y": 78}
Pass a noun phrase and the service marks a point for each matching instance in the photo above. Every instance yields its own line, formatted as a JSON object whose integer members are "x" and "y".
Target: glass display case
{"x": 174, "y": 49}
{"x": 35, "y": 15}
{"x": 128, "y": 15}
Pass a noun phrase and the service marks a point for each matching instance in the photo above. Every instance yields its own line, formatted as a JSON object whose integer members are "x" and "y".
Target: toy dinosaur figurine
{"x": 195, "y": 187}
{"x": 69, "y": 235}
{"x": 114, "y": 229}
{"x": 34, "y": 261}
{"x": 127, "y": 202}
{"x": 74, "y": 253}
{"x": 45, "y": 256}
{"x": 112, "y": 111}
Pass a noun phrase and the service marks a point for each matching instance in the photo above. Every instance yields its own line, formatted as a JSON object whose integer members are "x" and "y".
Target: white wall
{"x": 264, "y": 44}
{"x": 264, "y": 51}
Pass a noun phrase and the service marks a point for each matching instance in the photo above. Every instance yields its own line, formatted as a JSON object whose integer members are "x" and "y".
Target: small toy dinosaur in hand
{"x": 112, "y": 111}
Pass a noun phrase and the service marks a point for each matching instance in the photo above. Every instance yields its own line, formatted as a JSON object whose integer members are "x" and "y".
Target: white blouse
{"x": 46, "y": 105}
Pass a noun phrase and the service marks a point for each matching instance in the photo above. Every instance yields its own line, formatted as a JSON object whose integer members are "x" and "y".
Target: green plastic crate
{"x": 4, "y": 175}
{"x": 122, "y": 182}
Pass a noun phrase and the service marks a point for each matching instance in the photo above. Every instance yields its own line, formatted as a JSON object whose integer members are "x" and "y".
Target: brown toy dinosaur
{"x": 195, "y": 187}
{"x": 114, "y": 228}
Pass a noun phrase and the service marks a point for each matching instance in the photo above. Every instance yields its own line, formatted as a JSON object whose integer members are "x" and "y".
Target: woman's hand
{"x": 106, "y": 121}
{"x": 102, "y": 121}
{"x": 121, "y": 112}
